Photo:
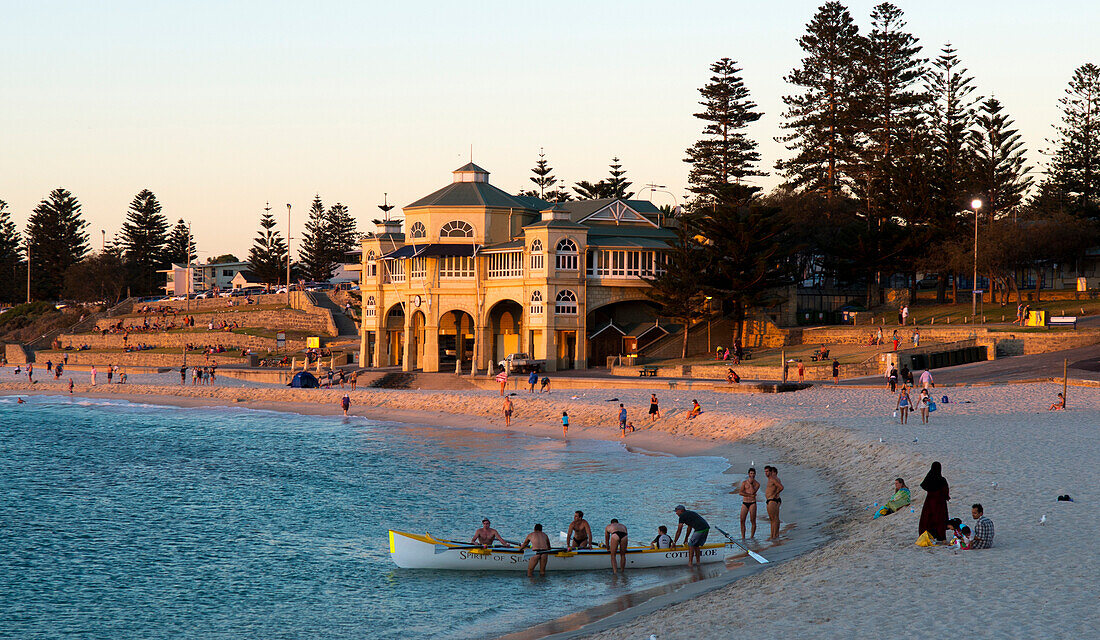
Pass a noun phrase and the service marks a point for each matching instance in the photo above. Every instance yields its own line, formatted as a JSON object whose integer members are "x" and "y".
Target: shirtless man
{"x": 508, "y": 412}
{"x": 486, "y": 535}
{"x": 579, "y": 535}
{"x": 614, "y": 538}
{"x": 747, "y": 490}
{"x": 772, "y": 502}
{"x": 538, "y": 541}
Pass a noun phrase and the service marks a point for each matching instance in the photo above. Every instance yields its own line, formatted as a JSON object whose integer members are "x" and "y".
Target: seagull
{"x": 994, "y": 485}
{"x": 653, "y": 636}
{"x": 880, "y": 439}
{"x": 915, "y": 439}
{"x": 1043, "y": 520}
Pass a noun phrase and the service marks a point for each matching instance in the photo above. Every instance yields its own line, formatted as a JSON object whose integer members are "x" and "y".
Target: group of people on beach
{"x": 924, "y": 402}
{"x": 616, "y": 536}
{"x": 934, "y": 522}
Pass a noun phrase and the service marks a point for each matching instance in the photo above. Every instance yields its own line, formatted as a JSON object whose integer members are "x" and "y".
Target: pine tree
{"x": 1000, "y": 175}
{"x": 1075, "y": 169}
{"x": 725, "y": 156}
{"x": 315, "y": 252}
{"x": 180, "y": 247}
{"x": 267, "y": 257}
{"x": 826, "y": 119}
{"x": 57, "y": 241}
{"x": 144, "y": 234}
{"x": 12, "y": 269}
{"x": 544, "y": 178}
{"x": 895, "y": 104}
{"x": 617, "y": 184}
{"x": 99, "y": 277}
{"x": 592, "y": 191}
{"x": 342, "y": 236}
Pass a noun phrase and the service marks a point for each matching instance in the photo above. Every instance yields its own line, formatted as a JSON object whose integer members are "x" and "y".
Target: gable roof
{"x": 476, "y": 194}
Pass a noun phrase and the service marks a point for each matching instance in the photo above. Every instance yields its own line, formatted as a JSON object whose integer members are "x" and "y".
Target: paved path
{"x": 1084, "y": 363}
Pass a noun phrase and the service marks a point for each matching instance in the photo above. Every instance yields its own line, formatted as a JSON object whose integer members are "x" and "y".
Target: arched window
{"x": 566, "y": 255}
{"x": 418, "y": 230}
{"x": 456, "y": 229}
{"x": 536, "y": 303}
{"x": 566, "y": 303}
{"x": 538, "y": 258}
{"x": 372, "y": 265}
{"x": 370, "y": 309}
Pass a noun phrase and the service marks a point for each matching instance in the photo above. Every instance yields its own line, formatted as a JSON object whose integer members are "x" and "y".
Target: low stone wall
{"x": 750, "y": 372}
{"x": 177, "y": 340}
{"x": 285, "y": 319}
{"x": 15, "y": 353}
{"x": 135, "y": 359}
{"x": 322, "y": 321}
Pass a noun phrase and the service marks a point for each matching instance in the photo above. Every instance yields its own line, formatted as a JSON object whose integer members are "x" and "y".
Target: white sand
{"x": 871, "y": 581}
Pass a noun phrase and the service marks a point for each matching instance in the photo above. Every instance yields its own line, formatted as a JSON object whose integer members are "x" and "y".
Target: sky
{"x": 221, "y": 107}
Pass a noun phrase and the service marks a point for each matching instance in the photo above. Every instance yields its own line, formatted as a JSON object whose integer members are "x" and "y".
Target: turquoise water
{"x": 122, "y": 520}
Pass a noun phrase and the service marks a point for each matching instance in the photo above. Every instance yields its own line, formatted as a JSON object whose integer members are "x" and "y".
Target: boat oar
{"x": 442, "y": 548}
{"x": 755, "y": 556}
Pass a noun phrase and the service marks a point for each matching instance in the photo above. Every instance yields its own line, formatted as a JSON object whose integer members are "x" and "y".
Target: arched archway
{"x": 621, "y": 329}
{"x": 416, "y": 340}
{"x": 456, "y": 339}
{"x": 506, "y": 321}
{"x": 394, "y": 329}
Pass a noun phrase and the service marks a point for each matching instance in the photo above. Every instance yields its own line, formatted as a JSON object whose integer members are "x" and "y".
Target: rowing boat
{"x": 413, "y": 551}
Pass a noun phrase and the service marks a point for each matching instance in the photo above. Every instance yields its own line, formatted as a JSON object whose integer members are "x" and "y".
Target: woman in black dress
{"x": 933, "y": 516}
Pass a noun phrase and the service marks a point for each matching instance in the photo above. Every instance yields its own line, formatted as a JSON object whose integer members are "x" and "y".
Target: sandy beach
{"x": 870, "y": 578}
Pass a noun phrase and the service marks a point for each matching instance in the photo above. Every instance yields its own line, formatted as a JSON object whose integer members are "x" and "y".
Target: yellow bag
{"x": 925, "y": 540}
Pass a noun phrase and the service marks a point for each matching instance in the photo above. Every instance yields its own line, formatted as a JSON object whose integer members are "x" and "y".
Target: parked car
{"x": 521, "y": 363}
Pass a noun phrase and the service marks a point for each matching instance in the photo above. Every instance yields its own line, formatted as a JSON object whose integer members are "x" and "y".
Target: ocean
{"x": 127, "y": 520}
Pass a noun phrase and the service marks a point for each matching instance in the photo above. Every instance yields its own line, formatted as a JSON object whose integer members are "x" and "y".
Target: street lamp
{"x": 976, "y": 205}
{"x": 707, "y": 302}
{"x": 288, "y": 254}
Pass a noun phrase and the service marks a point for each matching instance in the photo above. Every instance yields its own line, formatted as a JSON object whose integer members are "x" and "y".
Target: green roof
{"x": 476, "y": 194}
{"x": 469, "y": 166}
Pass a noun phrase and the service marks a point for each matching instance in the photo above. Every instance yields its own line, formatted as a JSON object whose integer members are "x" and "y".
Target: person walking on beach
{"x": 654, "y": 410}
{"x": 94, "y": 372}
{"x": 532, "y": 380}
{"x": 579, "y": 534}
{"x": 772, "y": 499}
{"x": 693, "y": 540}
{"x": 538, "y": 541}
{"x": 508, "y": 411}
{"x": 615, "y": 540}
{"x": 30, "y": 372}
{"x": 622, "y": 420}
{"x": 502, "y": 378}
{"x": 892, "y": 379}
{"x": 183, "y": 374}
{"x": 923, "y": 403}
{"x": 836, "y": 371}
{"x": 904, "y": 403}
{"x": 747, "y": 490}
{"x": 345, "y": 403}
{"x": 801, "y": 372}
{"x": 565, "y": 423}
{"x": 926, "y": 381}
{"x": 933, "y": 515}
{"x": 354, "y": 379}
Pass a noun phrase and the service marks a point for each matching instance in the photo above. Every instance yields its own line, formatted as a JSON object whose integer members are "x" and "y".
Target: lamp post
{"x": 707, "y": 302}
{"x": 976, "y": 205}
{"x": 28, "y": 270}
{"x": 103, "y": 247}
{"x": 288, "y": 254}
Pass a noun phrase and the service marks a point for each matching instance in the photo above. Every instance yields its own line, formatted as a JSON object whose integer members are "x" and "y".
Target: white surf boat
{"x": 413, "y": 551}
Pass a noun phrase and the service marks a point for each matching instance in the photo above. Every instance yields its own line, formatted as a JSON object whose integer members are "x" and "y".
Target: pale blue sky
{"x": 219, "y": 107}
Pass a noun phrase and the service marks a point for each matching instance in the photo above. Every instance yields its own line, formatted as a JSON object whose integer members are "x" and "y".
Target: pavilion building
{"x": 474, "y": 274}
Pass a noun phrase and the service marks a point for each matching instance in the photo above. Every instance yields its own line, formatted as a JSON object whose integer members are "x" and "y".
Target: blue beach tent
{"x": 304, "y": 380}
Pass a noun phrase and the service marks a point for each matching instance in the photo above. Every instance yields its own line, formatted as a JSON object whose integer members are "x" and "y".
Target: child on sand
{"x": 565, "y": 422}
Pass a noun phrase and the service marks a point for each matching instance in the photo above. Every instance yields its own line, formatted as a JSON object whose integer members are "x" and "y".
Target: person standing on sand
{"x": 926, "y": 381}
{"x": 801, "y": 371}
{"x": 345, "y": 403}
{"x": 71, "y": 385}
{"x": 508, "y": 407}
{"x": 904, "y": 404}
{"x": 502, "y": 378}
{"x": 772, "y": 499}
{"x": 622, "y": 420}
{"x": 922, "y": 403}
{"x": 892, "y": 380}
{"x": 933, "y": 515}
{"x": 183, "y": 374}
{"x": 836, "y": 371}
{"x": 538, "y": 541}
{"x": 693, "y": 541}
{"x": 747, "y": 490}
{"x": 354, "y": 379}
{"x": 614, "y": 539}
{"x": 532, "y": 380}
{"x": 654, "y": 410}
{"x": 94, "y": 372}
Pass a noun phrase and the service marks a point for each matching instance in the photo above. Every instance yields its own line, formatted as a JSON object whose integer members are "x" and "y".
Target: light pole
{"x": 28, "y": 270}
{"x": 103, "y": 247}
{"x": 976, "y": 205}
{"x": 188, "y": 275}
{"x": 288, "y": 254}
{"x": 708, "y": 323}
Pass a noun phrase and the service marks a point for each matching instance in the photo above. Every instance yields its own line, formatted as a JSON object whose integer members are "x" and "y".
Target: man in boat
{"x": 772, "y": 499}
{"x": 696, "y": 540}
{"x": 486, "y": 535}
{"x": 538, "y": 541}
{"x": 747, "y": 490}
{"x": 663, "y": 540}
{"x": 614, "y": 538}
{"x": 579, "y": 535}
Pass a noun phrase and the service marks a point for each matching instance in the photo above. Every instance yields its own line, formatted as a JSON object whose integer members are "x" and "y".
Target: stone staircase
{"x": 344, "y": 325}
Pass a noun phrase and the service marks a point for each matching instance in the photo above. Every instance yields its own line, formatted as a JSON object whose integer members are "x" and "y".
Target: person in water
{"x": 933, "y": 516}
{"x": 747, "y": 490}
{"x": 487, "y": 534}
{"x": 538, "y": 541}
{"x": 901, "y": 498}
{"x": 696, "y": 540}
{"x": 345, "y": 403}
{"x": 615, "y": 539}
{"x": 772, "y": 499}
{"x": 579, "y": 535}
{"x": 663, "y": 540}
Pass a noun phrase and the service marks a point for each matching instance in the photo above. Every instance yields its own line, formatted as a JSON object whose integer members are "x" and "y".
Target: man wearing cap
{"x": 486, "y": 535}
{"x": 696, "y": 540}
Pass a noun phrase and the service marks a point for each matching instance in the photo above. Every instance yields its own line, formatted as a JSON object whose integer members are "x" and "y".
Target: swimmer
{"x": 579, "y": 535}
{"x": 615, "y": 539}
{"x": 772, "y": 501}
{"x": 538, "y": 541}
{"x": 747, "y": 490}
{"x": 508, "y": 407}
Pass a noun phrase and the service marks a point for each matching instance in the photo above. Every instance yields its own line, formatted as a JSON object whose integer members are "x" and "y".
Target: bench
{"x": 1063, "y": 321}
{"x": 650, "y": 372}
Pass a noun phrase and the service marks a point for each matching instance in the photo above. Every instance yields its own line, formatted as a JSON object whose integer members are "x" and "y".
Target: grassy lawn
{"x": 924, "y": 310}
{"x": 845, "y": 353}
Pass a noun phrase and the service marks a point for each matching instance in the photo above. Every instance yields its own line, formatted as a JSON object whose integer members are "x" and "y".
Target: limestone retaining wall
{"x": 136, "y": 358}
{"x": 177, "y": 340}
{"x": 285, "y": 319}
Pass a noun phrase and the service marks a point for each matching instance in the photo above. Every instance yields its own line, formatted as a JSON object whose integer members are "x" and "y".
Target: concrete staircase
{"x": 344, "y": 325}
